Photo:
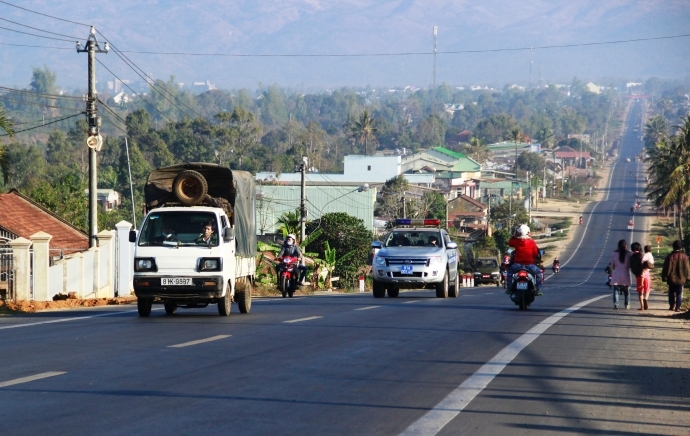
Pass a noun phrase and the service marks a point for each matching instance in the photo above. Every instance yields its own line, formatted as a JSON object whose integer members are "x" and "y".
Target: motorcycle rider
{"x": 290, "y": 248}
{"x": 526, "y": 255}
{"x": 556, "y": 264}
{"x": 580, "y": 219}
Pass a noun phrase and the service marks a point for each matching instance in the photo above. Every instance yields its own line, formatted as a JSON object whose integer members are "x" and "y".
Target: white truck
{"x": 197, "y": 243}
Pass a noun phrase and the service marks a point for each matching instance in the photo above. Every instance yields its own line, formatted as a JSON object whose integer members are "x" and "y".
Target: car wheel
{"x": 144, "y": 306}
{"x": 243, "y": 295}
{"x": 379, "y": 289}
{"x": 454, "y": 291}
{"x": 225, "y": 303}
{"x": 442, "y": 288}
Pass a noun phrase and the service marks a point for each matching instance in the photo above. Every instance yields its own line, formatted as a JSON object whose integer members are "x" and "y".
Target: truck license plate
{"x": 522, "y": 285}
{"x": 406, "y": 269}
{"x": 176, "y": 281}
{"x": 486, "y": 276}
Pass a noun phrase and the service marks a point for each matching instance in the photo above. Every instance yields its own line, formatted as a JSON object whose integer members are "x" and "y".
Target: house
{"x": 357, "y": 170}
{"x": 466, "y": 213}
{"x": 108, "y": 199}
{"x": 22, "y": 217}
{"x": 121, "y": 98}
{"x": 593, "y": 88}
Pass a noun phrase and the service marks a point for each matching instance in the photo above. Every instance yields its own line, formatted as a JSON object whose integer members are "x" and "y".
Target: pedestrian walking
{"x": 620, "y": 262}
{"x": 640, "y": 264}
{"x": 675, "y": 273}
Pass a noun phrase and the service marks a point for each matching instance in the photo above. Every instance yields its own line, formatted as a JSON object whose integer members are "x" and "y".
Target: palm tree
{"x": 669, "y": 170}
{"x": 655, "y": 131}
{"x": 545, "y": 136}
{"x": 363, "y": 129}
{"x": 6, "y": 126}
{"x": 477, "y": 150}
{"x": 289, "y": 222}
{"x": 516, "y": 135}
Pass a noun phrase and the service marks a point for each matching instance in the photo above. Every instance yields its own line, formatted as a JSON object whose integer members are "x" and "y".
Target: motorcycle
{"x": 580, "y": 220}
{"x": 556, "y": 268}
{"x": 608, "y": 281}
{"x": 288, "y": 274}
{"x": 523, "y": 288}
{"x": 504, "y": 277}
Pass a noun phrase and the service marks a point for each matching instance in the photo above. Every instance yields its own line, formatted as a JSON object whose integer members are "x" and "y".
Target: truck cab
{"x": 416, "y": 254}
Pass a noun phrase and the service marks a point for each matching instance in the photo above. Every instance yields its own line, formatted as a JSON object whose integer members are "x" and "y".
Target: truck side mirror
{"x": 132, "y": 236}
{"x": 228, "y": 234}
{"x": 452, "y": 245}
{"x": 376, "y": 244}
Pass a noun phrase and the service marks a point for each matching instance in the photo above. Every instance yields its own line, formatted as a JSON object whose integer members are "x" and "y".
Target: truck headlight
{"x": 379, "y": 260}
{"x": 434, "y": 260}
{"x": 145, "y": 264}
{"x": 210, "y": 264}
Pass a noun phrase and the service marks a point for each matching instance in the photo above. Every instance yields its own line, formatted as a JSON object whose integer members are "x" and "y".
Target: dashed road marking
{"x": 303, "y": 319}
{"x": 367, "y": 308}
{"x": 30, "y": 378}
{"x": 53, "y": 321}
{"x": 199, "y": 341}
{"x": 410, "y": 302}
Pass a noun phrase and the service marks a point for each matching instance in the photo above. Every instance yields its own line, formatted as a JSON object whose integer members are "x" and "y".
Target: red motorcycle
{"x": 288, "y": 274}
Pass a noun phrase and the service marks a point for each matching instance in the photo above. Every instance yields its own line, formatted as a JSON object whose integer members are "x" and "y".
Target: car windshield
{"x": 406, "y": 238}
{"x": 179, "y": 229}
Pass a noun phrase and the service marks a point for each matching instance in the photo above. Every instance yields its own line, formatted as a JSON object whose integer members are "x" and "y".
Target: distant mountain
{"x": 349, "y": 27}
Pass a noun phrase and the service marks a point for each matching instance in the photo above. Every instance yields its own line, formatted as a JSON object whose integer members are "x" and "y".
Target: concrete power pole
{"x": 303, "y": 200}
{"x": 433, "y": 95}
{"x": 94, "y": 141}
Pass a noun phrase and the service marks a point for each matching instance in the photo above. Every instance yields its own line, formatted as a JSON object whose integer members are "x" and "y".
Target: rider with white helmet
{"x": 526, "y": 255}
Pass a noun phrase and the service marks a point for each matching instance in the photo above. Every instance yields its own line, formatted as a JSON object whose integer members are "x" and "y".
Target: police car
{"x": 416, "y": 254}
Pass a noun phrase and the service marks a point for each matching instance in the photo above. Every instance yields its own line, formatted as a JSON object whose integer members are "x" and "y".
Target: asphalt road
{"x": 352, "y": 364}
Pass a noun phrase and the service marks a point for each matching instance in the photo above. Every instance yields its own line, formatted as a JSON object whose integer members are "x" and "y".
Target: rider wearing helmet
{"x": 526, "y": 255}
{"x": 290, "y": 248}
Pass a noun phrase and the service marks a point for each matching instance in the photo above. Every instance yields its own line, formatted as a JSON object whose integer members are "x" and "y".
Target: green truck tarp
{"x": 234, "y": 187}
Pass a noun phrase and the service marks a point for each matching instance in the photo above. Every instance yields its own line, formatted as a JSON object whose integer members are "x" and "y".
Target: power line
{"x": 25, "y": 91}
{"x": 52, "y": 122}
{"x": 424, "y": 53}
{"x": 36, "y": 46}
{"x": 33, "y": 34}
{"x": 137, "y": 94}
{"x": 36, "y": 28}
{"x": 132, "y": 65}
{"x": 31, "y": 103}
{"x": 45, "y": 15}
{"x": 40, "y": 121}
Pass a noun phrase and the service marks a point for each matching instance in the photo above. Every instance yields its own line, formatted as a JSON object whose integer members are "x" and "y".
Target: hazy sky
{"x": 349, "y": 27}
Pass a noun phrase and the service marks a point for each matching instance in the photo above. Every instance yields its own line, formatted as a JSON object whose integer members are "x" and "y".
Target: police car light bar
{"x": 417, "y": 222}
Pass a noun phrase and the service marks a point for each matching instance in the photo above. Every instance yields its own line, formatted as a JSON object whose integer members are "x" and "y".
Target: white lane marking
{"x": 303, "y": 319}
{"x": 259, "y": 300}
{"x": 53, "y": 321}
{"x": 410, "y": 302}
{"x": 31, "y": 378}
{"x": 437, "y": 418}
{"x": 367, "y": 308}
{"x": 199, "y": 341}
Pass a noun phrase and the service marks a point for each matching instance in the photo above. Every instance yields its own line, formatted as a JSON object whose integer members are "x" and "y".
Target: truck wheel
{"x": 283, "y": 286}
{"x": 442, "y": 288}
{"x": 393, "y": 292}
{"x": 170, "y": 308}
{"x": 243, "y": 295}
{"x": 454, "y": 288}
{"x": 225, "y": 303}
{"x": 379, "y": 290}
{"x": 144, "y": 306}
{"x": 190, "y": 187}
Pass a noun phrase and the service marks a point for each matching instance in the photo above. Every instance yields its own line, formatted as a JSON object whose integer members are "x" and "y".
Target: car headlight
{"x": 379, "y": 260}
{"x": 145, "y": 264}
{"x": 210, "y": 264}
{"x": 435, "y": 260}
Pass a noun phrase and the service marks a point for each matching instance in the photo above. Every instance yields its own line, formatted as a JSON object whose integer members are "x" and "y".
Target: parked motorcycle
{"x": 523, "y": 288}
{"x": 288, "y": 274}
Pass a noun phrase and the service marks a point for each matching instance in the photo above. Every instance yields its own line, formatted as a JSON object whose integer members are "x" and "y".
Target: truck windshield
{"x": 413, "y": 239}
{"x": 180, "y": 229}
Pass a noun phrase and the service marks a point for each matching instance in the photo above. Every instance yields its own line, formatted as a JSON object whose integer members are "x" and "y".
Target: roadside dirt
{"x": 35, "y": 306}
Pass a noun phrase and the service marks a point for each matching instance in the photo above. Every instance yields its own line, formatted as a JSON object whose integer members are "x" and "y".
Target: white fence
{"x": 104, "y": 271}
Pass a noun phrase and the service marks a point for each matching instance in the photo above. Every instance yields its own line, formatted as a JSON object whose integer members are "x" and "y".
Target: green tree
{"x": 430, "y": 132}
{"x": 496, "y": 128}
{"x": 65, "y": 198}
{"x": 476, "y": 150}
{"x": 655, "y": 131}
{"x": 6, "y": 126}
{"x": 388, "y": 203}
{"x": 363, "y": 129}
{"x": 532, "y": 162}
{"x": 345, "y": 234}
{"x": 289, "y": 222}
{"x": 43, "y": 81}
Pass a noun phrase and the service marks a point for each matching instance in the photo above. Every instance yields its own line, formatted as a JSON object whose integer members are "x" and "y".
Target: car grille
{"x": 414, "y": 274}
{"x": 406, "y": 261}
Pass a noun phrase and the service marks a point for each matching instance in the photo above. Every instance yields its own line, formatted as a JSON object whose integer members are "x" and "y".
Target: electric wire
{"x": 38, "y": 36}
{"x": 43, "y": 120}
{"x": 45, "y": 15}
{"x": 25, "y": 91}
{"x": 36, "y": 46}
{"x": 135, "y": 93}
{"x": 31, "y": 103}
{"x": 36, "y": 28}
{"x": 135, "y": 67}
{"x": 46, "y": 124}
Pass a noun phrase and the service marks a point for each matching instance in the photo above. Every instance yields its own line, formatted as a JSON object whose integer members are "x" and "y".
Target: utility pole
{"x": 529, "y": 198}
{"x": 94, "y": 142}
{"x": 433, "y": 95}
{"x": 303, "y": 199}
{"x": 530, "y": 68}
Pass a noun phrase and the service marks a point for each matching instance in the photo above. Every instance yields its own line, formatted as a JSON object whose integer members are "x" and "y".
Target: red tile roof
{"x": 24, "y": 217}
